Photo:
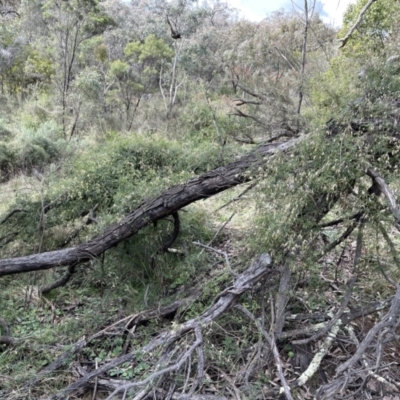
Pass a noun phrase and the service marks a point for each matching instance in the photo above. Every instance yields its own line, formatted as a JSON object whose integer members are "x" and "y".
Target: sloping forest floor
{"x": 187, "y": 215}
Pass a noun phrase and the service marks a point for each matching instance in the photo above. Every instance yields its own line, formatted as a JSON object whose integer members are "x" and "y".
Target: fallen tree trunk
{"x": 170, "y": 201}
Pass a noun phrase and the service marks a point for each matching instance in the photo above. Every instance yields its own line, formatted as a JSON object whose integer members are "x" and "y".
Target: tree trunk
{"x": 170, "y": 201}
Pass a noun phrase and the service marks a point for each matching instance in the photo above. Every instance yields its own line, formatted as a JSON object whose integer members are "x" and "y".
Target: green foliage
{"x": 113, "y": 177}
{"x": 5, "y": 132}
{"x": 100, "y": 52}
{"x": 40, "y": 67}
{"x": 334, "y": 89}
{"x": 98, "y": 22}
{"x": 118, "y": 68}
{"x": 7, "y": 161}
{"x": 89, "y": 83}
{"x": 152, "y": 51}
{"x": 378, "y": 25}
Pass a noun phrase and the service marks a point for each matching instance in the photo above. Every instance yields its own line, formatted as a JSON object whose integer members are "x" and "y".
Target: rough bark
{"x": 150, "y": 210}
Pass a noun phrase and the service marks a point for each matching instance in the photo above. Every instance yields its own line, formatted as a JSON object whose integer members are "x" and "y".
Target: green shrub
{"x": 7, "y": 162}
{"x": 38, "y": 152}
{"x": 5, "y": 133}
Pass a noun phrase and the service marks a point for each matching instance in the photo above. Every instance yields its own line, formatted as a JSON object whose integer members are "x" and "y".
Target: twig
{"x": 222, "y": 253}
{"x": 350, "y": 284}
{"x": 389, "y": 241}
{"x": 344, "y": 235}
{"x": 256, "y": 272}
{"x": 317, "y": 359}
{"x": 356, "y": 216}
{"x": 393, "y": 386}
{"x": 95, "y": 382}
{"x": 281, "y": 300}
{"x": 221, "y": 228}
{"x": 252, "y": 93}
{"x": 389, "y": 320}
{"x": 356, "y": 24}
{"x": 271, "y": 342}
{"x": 131, "y": 320}
{"x": 238, "y": 197}
{"x": 10, "y": 214}
{"x": 336, "y": 321}
{"x": 385, "y": 189}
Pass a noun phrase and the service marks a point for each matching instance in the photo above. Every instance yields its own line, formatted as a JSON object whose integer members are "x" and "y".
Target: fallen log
{"x": 150, "y": 210}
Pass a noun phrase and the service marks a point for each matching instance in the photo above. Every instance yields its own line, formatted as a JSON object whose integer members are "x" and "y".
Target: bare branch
{"x": 59, "y": 282}
{"x": 316, "y": 361}
{"x": 242, "y": 114}
{"x": 390, "y": 320}
{"x": 251, "y": 92}
{"x": 356, "y": 24}
{"x": 393, "y": 387}
{"x": 385, "y": 189}
{"x": 10, "y": 214}
{"x": 245, "y": 281}
{"x": 241, "y": 102}
{"x": 271, "y": 342}
{"x": 223, "y": 253}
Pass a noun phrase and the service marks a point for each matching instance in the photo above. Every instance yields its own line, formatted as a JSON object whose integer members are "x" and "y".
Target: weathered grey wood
{"x": 171, "y": 200}
{"x": 258, "y": 270}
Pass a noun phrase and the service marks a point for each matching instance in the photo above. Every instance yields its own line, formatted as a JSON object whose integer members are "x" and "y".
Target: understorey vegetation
{"x": 196, "y": 206}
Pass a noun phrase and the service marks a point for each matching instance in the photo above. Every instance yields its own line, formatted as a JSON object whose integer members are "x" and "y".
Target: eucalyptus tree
{"x": 64, "y": 27}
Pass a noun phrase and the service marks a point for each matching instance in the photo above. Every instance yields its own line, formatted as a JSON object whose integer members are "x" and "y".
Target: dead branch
{"x": 171, "y": 200}
{"x": 344, "y": 235}
{"x": 221, "y": 228}
{"x": 385, "y": 189}
{"x": 389, "y": 321}
{"x": 222, "y": 253}
{"x": 335, "y": 319}
{"x": 317, "y": 359}
{"x": 129, "y": 321}
{"x": 389, "y": 241}
{"x": 89, "y": 220}
{"x": 7, "y": 340}
{"x": 347, "y": 296}
{"x": 291, "y": 65}
{"x": 175, "y": 367}
{"x": 345, "y": 318}
{"x": 393, "y": 387}
{"x": 282, "y": 298}
{"x": 239, "y": 113}
{"x": 356, "y": 24}
{"x": 272, "y": 344}
{"x": 303, "y": 55}
{"x": 237, "y": 198}
{"x": 240, "y": 102}
{"x": 254, "y": 274}
{"x": 8, "y": 238}
{"x": 284, "y": 133}
{"x": 252, "y": 93}
{"x": 4, "y": 325}
{"x": 59, "y": 282}
{"x": 10, "y": 214}
{"x": 356, "y": 216}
